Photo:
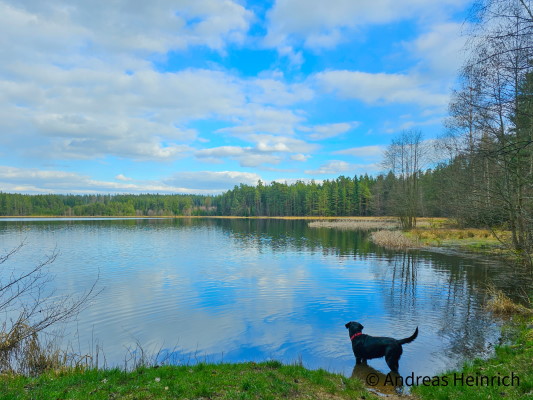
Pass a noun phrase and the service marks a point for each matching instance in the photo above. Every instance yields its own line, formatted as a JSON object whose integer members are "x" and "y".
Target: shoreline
{"x": 506, "y": 374}
{"x": 356, "y": 218}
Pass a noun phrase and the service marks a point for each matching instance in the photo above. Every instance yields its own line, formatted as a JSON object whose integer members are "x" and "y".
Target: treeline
{"x": 100, "y": 205}
{"x": 344, "y": 196}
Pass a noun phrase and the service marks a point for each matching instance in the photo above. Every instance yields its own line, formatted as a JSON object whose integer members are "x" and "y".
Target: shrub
{"x": 31, "y": 308}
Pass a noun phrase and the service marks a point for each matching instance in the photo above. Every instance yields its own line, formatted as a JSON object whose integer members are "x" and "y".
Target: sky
{"x": 197, "y": 96}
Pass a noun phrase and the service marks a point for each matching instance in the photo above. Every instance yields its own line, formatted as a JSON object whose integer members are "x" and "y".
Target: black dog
{"x": 366, "y": 347}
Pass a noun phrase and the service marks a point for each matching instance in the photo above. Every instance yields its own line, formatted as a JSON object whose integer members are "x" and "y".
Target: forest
{"x": 344, "y": 196}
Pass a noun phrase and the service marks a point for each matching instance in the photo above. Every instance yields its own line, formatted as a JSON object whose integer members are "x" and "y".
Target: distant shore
{"x": 202, "y": 216}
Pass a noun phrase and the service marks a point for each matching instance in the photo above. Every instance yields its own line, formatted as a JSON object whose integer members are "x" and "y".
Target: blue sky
{"x": 196, "y": 96}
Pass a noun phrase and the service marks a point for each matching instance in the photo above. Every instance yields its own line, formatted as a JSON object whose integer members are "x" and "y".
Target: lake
{"x": 255, "y": 289}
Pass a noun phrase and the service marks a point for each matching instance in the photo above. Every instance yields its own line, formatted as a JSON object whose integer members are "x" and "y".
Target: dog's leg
{"x": 392, "y": 362}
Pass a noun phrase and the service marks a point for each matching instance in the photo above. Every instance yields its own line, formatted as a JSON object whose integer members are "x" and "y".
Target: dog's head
{"x": 354, "y": 327}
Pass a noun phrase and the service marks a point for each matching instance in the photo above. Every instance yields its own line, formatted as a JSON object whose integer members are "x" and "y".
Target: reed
{"x": 352, "y": 225}
{"x": 392, "y": 240}
{"x": 502, "y": 305}
{"x": 24, "y": 353}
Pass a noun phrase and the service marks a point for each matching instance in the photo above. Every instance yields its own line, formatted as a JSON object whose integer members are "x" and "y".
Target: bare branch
{"x": 33, "y": 308}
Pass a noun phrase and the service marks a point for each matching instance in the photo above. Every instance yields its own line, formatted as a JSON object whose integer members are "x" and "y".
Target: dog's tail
{"x": 410, "y": 338}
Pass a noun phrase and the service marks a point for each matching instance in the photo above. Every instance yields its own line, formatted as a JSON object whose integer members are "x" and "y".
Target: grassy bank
{"x": 430, "y": 232}
{"x": 268, "y": 380}
{"x": 481, "y": 240}
{"x": 508, "y": 375}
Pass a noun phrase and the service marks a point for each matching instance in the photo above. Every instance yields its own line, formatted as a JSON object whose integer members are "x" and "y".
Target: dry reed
{"x": 392, "y": 240}
{"x": 21, "y": 352}
{"x": 500, "y": 304}
{"x": 353, "y": 225}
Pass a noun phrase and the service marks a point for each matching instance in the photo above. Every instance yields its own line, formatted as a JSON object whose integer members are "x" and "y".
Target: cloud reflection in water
{"x": 239, "y": 290}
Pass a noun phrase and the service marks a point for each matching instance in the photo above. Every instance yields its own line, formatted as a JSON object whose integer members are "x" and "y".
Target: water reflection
{"x": 252, "y": 289}
{"x": 388, "y": 384}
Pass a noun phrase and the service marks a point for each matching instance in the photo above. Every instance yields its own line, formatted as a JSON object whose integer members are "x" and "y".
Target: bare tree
{"x": 29, "y": 306}
{"x": 406, "y": 157}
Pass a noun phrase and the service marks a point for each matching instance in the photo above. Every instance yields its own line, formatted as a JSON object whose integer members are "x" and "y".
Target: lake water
{"x": 251, "y": 290}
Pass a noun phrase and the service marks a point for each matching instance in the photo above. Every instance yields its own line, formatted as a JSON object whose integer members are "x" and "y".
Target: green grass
{"x": 481, "y": 241}
{"x": 267, "y": 380}
{"x": 510, "y": 360}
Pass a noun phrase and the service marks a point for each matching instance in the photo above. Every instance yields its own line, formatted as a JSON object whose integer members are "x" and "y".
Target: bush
{"x": 25, "y": 297}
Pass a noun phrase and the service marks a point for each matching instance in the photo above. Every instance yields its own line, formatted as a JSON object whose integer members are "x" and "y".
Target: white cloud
{"x": 384, "y": 88}
{"x": 86, "y": 113}
{"x": 267, "y": 150}
{"x": 331, "y": 167}
{"x": 338, "y": 167}
{"x": 327, "y": 131}
{"x": 121, "y": 177}
{"x": 246, "y": 156}
{"x": 256, "y": 118}
{"x": 33, "y": 181}
{"x": 272, "y": 143}
{"x": 295, "y": 57}
{"x": 440, "y": 51}
{"x": 26, "y": 175}
{"x": 276, "y": 92}
{"x": 411, "y": 124}
{"x": 212, "y": 180}
{"x": 222, "y": 151}
{"x": 300, "y": 157}
{"x": 320, "y": 24}
{"x": 364, "y": 151}
{"x": 76, "y": 82}
{"x": 255, "y": 160}
{"x": 122, "y": 26}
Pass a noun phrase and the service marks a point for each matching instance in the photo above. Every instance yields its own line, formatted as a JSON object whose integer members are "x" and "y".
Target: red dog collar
{"x": 355, "y": 335}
